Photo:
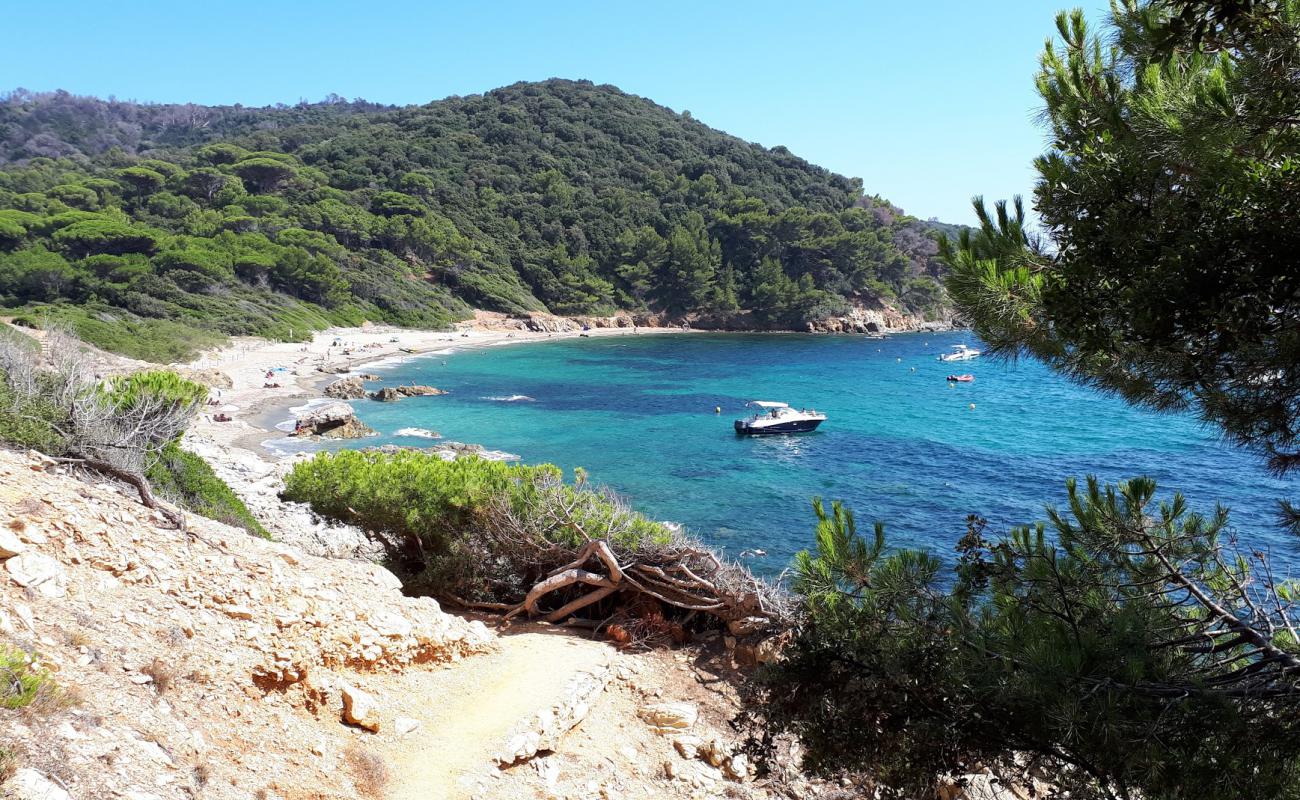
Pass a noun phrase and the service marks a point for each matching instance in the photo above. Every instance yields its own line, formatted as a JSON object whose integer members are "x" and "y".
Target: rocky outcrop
{"x": 349, "y": 388}
{"x": 876, "y": 317}
{"x": 333, "y": 421}
{"x": 391, "y": 394}
{"x": 199, "y": 658}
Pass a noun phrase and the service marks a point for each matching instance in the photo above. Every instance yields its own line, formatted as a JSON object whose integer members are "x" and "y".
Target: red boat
{"x": 967, "y": 378}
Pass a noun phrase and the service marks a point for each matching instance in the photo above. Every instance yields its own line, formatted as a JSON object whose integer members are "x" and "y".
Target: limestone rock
{"x": 35, "y": 571}
{"x": 688, "y": 747}
{"x": 390, "y": 394}
{"x": 359, "y": 708}
{"x": 666, "y": 717}
{"x": 28, "y": 784}
{"x": 405, "y": 725}
{"x": 333, "y": 421}
{"x": 350, "y": 388}
{"x": 10, "y": 544}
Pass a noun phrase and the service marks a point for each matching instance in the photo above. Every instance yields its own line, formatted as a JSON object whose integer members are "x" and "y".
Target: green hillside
{"x": 155, "y": 229}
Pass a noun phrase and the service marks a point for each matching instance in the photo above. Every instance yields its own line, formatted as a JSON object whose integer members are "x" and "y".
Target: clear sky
{"x": 928, "y": 102}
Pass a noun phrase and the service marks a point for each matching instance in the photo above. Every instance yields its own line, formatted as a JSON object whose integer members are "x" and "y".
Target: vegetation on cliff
{"x": 1128, "y": 648}
{"x": 519, "y": 539}
{"x": 126, "y": 426}
{"x": 558, "y": 195}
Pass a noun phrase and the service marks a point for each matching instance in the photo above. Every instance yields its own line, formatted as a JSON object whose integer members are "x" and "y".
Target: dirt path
{"x": 474, "y": 708}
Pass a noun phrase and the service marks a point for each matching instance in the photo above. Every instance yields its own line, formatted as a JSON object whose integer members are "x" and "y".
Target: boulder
{"x": 359, "y": 708}
{"x": 669, "y": 717}
{"x": 34, "y": 571}
{"x": 389, "y": 394}
{"x": 334, "y": 421}
{"x": 350, "y": 388}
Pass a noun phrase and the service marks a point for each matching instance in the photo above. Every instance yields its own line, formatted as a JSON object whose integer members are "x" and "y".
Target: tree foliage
{"x": 1124, "y": 650}
{"x": 559, "y": 195}
{"x": 1168, "y": 198}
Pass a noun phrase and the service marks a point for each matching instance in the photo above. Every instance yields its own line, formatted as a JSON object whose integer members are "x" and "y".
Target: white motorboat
{"x": 960, "y": 352}
{"x": 773, "y": 417}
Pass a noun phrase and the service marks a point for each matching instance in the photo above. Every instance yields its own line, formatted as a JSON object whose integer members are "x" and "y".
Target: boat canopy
{"x": 768, "y": 404}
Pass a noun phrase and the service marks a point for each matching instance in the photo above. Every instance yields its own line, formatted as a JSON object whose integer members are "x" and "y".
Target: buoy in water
{"x": 899, "y": 360}
{"x": 914, "y": 369}
{"x": 717, "y": 409}
{"x": 972, "y": 406}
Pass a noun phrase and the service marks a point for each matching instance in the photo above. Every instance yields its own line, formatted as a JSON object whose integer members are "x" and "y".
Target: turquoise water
{"x": 901, "y": 444}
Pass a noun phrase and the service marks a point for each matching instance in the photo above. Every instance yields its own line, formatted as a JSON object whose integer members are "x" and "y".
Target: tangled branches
{"x": 116, "y": 427}
{"x": 588, "y": 546}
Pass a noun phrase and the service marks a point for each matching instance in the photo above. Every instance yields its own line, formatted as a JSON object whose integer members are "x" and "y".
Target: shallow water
{"x": 901, "y": 444}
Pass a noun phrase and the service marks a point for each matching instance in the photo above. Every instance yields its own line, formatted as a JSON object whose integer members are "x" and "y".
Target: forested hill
{"x": 157, "y": 228}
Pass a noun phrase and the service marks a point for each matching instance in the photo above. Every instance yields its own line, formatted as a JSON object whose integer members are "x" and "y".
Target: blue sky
{"x": 928, "y": 102}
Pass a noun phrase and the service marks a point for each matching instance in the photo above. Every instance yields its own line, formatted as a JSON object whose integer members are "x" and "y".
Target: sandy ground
{"x": 296, "y": 366}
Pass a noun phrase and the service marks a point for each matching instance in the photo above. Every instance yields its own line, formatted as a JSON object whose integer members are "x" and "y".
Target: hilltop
{"x": 157, "y": 230}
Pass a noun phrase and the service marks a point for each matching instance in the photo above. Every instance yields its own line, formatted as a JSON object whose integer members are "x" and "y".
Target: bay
{"x": 902, "y": 445}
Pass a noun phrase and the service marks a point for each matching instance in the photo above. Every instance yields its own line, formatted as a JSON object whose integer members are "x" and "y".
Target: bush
{"x": 22, "y": 683}
{"x": 452, "y": 513}
{"x": 1134, "y": 657}
{"x": 186, "y": 479}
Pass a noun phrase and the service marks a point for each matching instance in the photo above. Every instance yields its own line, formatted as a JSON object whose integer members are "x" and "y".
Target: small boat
{"x": 773, "y": 417}
{"x": 960, "y": 352}
{"x": 966, "y": 378}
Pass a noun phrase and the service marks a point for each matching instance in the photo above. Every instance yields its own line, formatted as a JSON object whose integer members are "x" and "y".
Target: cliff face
{"x": 863, "y": 317}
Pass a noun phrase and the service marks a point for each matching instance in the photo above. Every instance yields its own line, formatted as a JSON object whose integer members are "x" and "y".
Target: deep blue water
{"x": 901, "y": 445}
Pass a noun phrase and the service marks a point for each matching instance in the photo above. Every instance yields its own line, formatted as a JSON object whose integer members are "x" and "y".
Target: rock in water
{"x": 350, "y": 388}
{"x": 389, "y": 394}
{"x": 334, "y": 421}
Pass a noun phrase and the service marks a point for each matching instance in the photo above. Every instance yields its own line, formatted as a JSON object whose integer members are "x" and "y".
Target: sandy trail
{"x": 472, "y": 710}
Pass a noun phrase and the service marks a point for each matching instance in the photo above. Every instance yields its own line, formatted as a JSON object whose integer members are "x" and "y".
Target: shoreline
{"x": 255, "y": 409}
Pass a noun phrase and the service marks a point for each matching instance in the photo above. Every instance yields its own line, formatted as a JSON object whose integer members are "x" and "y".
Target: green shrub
{"x": 188, "y": 481}
{"x": 1130, "y": 653}
{"x": 22, "y": 683}
{"x": 478, "y": 524}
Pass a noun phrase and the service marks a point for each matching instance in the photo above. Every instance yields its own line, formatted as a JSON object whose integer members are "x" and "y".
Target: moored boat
{"x": 773, "y": 417}
{"x": 960, "y": 352}
{"x": 963, "y": 378}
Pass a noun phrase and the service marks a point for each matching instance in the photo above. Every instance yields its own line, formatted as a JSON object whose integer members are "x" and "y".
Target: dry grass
{"x": 79, "y": 639}
{"x": 163, "y": 675}
{"x": 369, "y": 772}
{"x": 11, "y": 757}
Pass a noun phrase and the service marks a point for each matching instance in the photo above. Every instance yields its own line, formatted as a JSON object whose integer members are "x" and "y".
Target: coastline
{"x": 255, "y": 409}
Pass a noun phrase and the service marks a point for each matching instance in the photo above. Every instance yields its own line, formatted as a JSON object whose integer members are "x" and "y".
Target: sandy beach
{"x": 302, "y": 369}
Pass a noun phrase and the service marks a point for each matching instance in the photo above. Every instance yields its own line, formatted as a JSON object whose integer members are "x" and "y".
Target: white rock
{"x": 35, "y": 571}
{"x": 405, "y": 725}
{"x": 28, "y": 784}
{"x": 10, "y": 544}
{"x": 359, "y": 708}
{"x": 688, "y": 746}
{"x": 669, "y": 716}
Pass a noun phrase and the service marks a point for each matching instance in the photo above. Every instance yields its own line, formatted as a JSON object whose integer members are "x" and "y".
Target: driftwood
{"x": 680, "y": 573}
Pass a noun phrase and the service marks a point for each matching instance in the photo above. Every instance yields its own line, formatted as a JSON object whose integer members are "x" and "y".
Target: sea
{"x": 651, "y": 417}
